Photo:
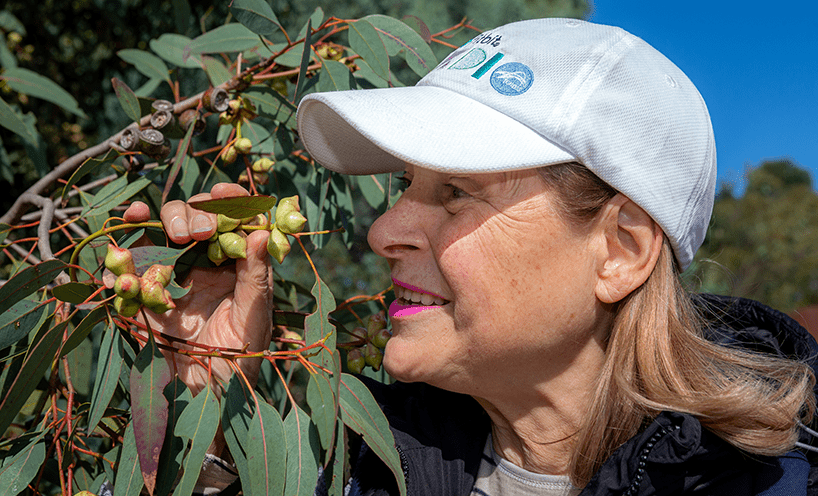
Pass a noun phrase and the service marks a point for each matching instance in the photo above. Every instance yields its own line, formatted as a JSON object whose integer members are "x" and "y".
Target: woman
{"x": 559, "y": 176}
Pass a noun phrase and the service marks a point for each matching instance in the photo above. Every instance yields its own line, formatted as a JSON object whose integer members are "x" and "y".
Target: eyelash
{"x": 457, "y": 193}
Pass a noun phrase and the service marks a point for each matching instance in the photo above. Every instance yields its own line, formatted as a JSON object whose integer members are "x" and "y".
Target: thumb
{"x": 252, "y": 311}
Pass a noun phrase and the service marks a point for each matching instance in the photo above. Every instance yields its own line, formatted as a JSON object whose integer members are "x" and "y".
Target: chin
{"x": 400, "y": 365}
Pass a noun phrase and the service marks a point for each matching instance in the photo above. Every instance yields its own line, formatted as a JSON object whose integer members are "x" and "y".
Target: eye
{"x": 456, "y": 193}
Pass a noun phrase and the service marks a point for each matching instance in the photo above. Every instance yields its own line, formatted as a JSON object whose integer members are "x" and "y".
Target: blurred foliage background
{"x": 761, "y": 243}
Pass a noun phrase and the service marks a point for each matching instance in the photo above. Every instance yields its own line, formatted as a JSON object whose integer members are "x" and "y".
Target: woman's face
{"x": 504, "y": 289}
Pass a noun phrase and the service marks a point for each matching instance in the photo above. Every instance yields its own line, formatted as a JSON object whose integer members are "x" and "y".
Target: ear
{"x": 632, "y": 241}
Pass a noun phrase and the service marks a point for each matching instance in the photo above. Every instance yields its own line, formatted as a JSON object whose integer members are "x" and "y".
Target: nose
{"x": 399, "y": 231}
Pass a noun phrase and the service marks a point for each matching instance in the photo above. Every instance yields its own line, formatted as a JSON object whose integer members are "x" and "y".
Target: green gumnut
{"x": 127, "y": 286}
{"x": 164, "y": 305}
{"x": 381, "y": 338}
{"x": 377, "y": 321}
{"x": 233, "y": 244}
{"x": 373, "y": 356}
{"x": 263, "y": 164}
{"x": 215, "y": 252}
{"x": 243, "y": 145}
{"x": 225, "y": 223}
{"x": 278, "y": 246}
{"x": 288, "y": 334}
{"x": 229, "y": 155}
{"x": 292, "y": 223}
{"x": 355, "y": 361}
{"x": 119, "y": 260}
{"x": 127, "y": 307}
{"x": 285, "y": 206}
{"x": 151, "y": 293}
{"x": 159, "y": 273}
{"x": 359, "y": 333}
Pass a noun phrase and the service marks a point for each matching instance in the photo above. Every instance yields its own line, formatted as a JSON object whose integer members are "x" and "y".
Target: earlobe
{"x": 632, "y": 242}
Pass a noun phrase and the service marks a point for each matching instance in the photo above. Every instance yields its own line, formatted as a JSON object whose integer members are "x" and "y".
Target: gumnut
{"x": 264, "y": 164}
{"x": 119, "y": 260}
{"x": 355, "y": 361}
{"x": 229, "y": 154}
{"x": 243, "y": 145}
{"x": 373, "y": 356}
{"x": 359, "y": 333}
{"x": 215, "y": 100}
{"x": 159, "y": 273}
{"x": 261, "y": 178}
{"x": 215, "y": 252}
{"x": 233, "y": 244}
{"x": 156, "y": 297}
{"x": 291, "y": 223}
{"x": 225, "y": 223}
{"x": 127, "y": 286}
{"x": 192, "y": 117}
{"x": 257, "y": 220}
{"x": 288, "y": 334}
{"x": 127, "y": 307}
{"x": 377, "y": 321}
{"x": 381, "y": 338}
{"x": 165, "y": 305}
{"x": 278, "y": 246}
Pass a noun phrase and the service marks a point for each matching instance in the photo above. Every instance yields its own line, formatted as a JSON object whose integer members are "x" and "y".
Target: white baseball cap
{"x": 536, "y": 93}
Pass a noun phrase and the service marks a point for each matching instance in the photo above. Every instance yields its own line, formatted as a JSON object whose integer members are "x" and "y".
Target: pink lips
{"x": 397, "y": 310}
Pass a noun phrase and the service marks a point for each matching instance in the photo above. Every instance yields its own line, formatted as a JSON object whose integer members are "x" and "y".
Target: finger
{"x": 174, "y": 218}
{"x": 137, "y": 212}
{"x": 228, "y": 190}
{"x": 201, "y": 224}
{"x": 252, "y": 309}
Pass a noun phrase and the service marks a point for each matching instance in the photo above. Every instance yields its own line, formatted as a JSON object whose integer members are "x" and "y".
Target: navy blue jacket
{"x": 440, "y": 435}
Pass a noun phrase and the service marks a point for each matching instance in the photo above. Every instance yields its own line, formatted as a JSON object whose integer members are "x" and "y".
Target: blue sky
{"x": 755, "y": 63}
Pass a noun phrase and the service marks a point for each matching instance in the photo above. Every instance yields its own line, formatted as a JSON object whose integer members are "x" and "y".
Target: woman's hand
{"x": 227, "y": 307}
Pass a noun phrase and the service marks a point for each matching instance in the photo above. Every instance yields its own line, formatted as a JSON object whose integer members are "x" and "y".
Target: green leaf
{"x": 292, "y": 57}
{"x": 128, "y": 473}
{"x": 270, "y": 103}
{"x": 217, "y": 73}
{"x": 145, "y": 62}
{"x": 365, "y": 41}
{"x": 266, "y": 452}
{"x": 322, "y": 403}
{"x": 178, "y": 162}
{"x": 256, "y": 15}
{"x": 334, "y": 476}
{"x": 170, "y": 460}
{"x": 171, "y": 47}
{"x": 21, "y": 319}
{"x": 334, "y": 76}
{"x": 33, "y": 84}
{"x": 149, "y": 376}
{"x": 73, "y": 292}
{"x": 236, "y": 418}
{"x": 127, "y": 99}
{"x": 317, "y": 326}
{"x": 109, "y": 366}
{"x": 305, "y": 62}
{"x": 90, "y": 166}
{"x": 28, "y": 281}
{"x": 198, "y": 423}
{"x": 231, "y": 37}
{"x": 401, "y": 39}
{"x": 12, "y": 121}
{"x": 117, "y": 191}
{"x": 17, "y": 472}
{"x": 7, "y": 60}
{"x": 239, "y": 207}
{"x": 361, "y": 413}
{"x": 40, "y": 356}
{"x": 374, "y": 190}
{"x": 302, "y": 453}
{"x": 81, "y": 332}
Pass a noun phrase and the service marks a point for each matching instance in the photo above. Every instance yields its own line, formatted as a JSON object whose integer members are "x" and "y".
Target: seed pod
{"x": 215, "y": 252}
{"x": 127, "y": 286}
{"x": 165, "y": 121}
{"x": 159, "y": 105}
{"x": 289, "y": 204}
{"x": 229, "y": 155}
{"x": 264, "y": 164}
{"x": 373, "y": 356}
{"x": 165, "y": 304}
{"x": 377, "y": 321}
{"x": 261, "y": 178}
{"x": 119, "y": 260}
{"x": 234, "y": 245}
{"x": 243, "y": 145}
{"x": 154, "y": 144}
{"x": 258, "y": 220}
{"x": 288, "y": 334}
{"x": 291, "y": 224}
{"x": 215, "y": 100}
{"x": 278, "y": 246}
{"x": 225, "y": 223}
{"x": 381, "y": 338}
{"x": 159, "y": 273}
{"x": 126, "y": 307}
{"x": 355, "y": 361}
{"x": 129, "y": 139}
{"x": 192, "y": 117}
{"x": 151, "y": 293}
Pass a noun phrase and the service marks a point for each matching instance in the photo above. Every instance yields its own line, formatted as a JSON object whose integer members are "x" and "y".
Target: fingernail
{"x": 201, "y": 223}
{"x": 178, "y": 227}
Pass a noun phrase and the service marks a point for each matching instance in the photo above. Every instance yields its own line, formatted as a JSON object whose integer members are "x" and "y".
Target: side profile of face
{"x": 503, "y": 287}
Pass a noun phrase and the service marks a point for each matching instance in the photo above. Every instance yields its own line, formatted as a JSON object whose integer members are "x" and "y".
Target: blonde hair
{"x": 657, "y": 358}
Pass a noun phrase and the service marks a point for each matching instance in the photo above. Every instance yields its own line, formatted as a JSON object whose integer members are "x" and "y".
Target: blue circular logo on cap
{"x": 512, "y": 79}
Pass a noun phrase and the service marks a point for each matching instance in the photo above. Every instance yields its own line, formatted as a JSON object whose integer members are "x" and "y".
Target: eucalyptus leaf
{"x": 145, "y": 62}
{"x": 171, "y": 47}
{"x": 33, "y": 84}
{"x": 256, "y": 15}
{"x": 12, "y": 121}
{"x": 233, "y": 37}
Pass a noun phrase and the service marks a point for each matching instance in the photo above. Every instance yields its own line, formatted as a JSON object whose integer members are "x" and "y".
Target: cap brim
{"x": 380, "y": 130}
